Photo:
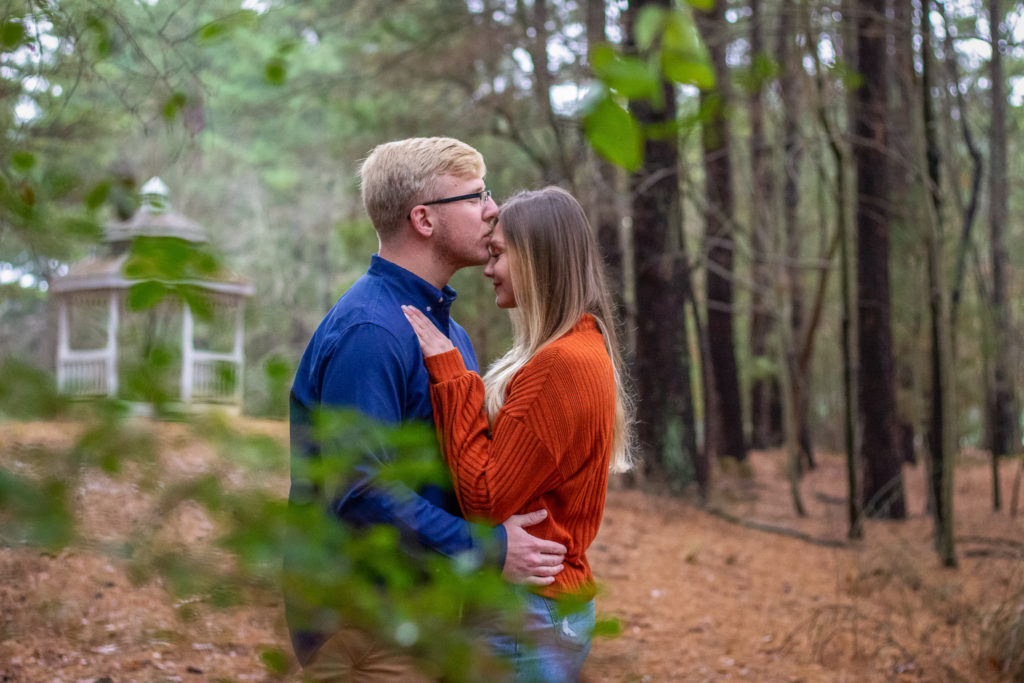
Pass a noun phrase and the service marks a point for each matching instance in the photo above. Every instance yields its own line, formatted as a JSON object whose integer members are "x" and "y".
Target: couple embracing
{"x": 529, "y": 446}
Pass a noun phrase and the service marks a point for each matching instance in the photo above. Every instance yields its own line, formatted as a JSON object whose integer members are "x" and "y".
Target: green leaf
{"x": 101, "y": 33}
{"x": 683, "y": 68}
{"x": 681, "y": 35}
{"x": 97, "y": 195}
{"x": 169, "y": 259}
{"x": 212, "y": 31}
{"x": 286, "y": 47}
{"x": 607, "y": 627}
{"x": 274, "y": 71}
{"x": 197, "y": 299}
{"x": 12, "y": 34}
{"x": 145, "y": 295}
{"x": 706, "y": 5}
{"x": 631, "y": 77}
{"x": 219, "y": 28}
{"x": 23, "y": 161}
{"x": 614, "y": 134}
{"x": 278, "y": 369}
{"x": 275, "y": 661}
{"x": 648, "y": 26}
{"x": 174, "y": 104}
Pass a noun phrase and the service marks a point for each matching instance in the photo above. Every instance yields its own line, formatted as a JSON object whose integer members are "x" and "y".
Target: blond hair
{"x": 399, "y": 174}
{"x": 557, "y": 275}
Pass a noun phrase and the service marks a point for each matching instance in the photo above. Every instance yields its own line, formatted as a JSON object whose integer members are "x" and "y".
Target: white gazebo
{"x": 100, "y": 340}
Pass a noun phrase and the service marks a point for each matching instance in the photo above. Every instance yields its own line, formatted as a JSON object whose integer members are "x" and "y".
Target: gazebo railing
{"x": 215, "y": 376}
{"x": 85, "y": 373}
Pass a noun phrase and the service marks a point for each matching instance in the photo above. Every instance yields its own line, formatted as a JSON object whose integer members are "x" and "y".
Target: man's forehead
{"x": 458, "y": 181}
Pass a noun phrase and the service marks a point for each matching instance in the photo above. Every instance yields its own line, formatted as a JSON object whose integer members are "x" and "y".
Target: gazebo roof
{"x": 100, "y": 273}
{"x": 153, "y": 219}
{"x": 149, "y": 222}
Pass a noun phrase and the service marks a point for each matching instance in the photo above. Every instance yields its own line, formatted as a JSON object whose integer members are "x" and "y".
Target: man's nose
{"x": 490, "y": 209}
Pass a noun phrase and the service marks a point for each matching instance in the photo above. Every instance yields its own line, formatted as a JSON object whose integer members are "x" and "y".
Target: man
{"x": 433, "y": 215}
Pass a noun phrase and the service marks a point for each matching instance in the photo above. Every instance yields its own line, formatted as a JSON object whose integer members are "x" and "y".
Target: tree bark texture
{"x": 765, "y": 400}
{"x": 844, "y": 232}
{"x": 883, "y": 492}
{"x": 719, "y": 240}
{"x": 662, "y": 369}
{"x": 942, "y": 427}
{"x": 1000, "y": 420}
{"x": 791, "y": 157}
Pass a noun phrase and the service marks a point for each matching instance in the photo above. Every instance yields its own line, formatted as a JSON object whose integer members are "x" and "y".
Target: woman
{"x": 549, "y": 420}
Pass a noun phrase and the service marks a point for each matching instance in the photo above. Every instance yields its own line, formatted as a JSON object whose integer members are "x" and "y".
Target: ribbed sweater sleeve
{"x": 495, "y": 477}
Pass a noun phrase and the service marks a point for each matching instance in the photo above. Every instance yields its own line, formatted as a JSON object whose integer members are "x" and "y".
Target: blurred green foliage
{"x": 666, "y": 48}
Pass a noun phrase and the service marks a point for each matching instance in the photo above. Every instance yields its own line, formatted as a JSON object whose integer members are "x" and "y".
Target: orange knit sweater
{"x": 549, "y": 446}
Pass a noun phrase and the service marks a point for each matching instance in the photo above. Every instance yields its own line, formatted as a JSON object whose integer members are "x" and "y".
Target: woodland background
{"x": 806, "y": 207}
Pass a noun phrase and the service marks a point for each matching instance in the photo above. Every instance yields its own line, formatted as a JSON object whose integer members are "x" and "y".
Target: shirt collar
{"x": 420, "y": 292}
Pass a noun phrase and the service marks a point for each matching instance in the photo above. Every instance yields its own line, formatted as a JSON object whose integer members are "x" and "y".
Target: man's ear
{"x": 422, "y": 221}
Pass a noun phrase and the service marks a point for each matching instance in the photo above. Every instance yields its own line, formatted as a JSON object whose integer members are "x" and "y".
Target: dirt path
{"x": 697, "y": 598}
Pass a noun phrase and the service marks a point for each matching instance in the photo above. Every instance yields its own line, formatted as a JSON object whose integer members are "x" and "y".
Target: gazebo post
{"x": 112, "y": 324}
{"x": 187, "y": 350}
{"x": 239, "y": 351}
{"x": 62, "y": 342}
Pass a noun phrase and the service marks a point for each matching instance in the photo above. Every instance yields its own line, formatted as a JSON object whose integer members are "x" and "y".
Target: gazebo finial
{"x": 156, "y": 195}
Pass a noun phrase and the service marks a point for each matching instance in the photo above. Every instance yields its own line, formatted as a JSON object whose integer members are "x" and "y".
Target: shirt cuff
{"x": 446, "y": 366}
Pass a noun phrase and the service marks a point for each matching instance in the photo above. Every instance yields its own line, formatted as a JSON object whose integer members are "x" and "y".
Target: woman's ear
{"x": 422, "y": 221}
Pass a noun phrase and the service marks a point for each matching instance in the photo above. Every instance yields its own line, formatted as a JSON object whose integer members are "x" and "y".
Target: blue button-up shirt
{"x": 365, "y": 355}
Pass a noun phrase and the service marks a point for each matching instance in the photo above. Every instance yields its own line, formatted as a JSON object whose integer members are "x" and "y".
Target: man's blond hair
{"x": 398, "y": 175}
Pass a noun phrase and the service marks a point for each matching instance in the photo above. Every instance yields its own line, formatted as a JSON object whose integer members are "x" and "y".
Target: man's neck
{"x": 420, "y": 263}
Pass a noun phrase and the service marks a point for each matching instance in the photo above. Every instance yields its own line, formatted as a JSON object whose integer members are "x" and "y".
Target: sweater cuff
{"x": 445, "y": 366}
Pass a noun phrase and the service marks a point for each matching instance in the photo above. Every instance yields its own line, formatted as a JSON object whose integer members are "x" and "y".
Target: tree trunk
{"x": 791, "y": 158}
{"x": 719, "y": 219}
{"x": 977, "y": 171}
{"x": 844, "y": 235}
{"x": 942, "y": 426}
{"x": 603, "y": 186}
{"x": 1000, "y": 419}
{"x": 904, "y": 172}
{"x": 765, "y": 431}
{"x": 883, "y": 493}
{"x": 665, "y": 413}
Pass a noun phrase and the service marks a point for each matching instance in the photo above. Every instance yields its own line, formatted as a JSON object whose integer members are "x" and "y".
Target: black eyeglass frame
{"x": 482, "y": 196}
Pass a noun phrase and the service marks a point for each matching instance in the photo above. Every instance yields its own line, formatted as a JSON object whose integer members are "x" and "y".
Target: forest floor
{"x": 741, "y": 589}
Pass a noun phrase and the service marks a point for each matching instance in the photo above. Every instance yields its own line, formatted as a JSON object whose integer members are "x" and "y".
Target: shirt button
{"x": 428, "y": 308}
{"x": 441, "y": 300}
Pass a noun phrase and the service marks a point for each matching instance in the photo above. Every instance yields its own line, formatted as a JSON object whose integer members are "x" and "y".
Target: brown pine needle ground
{"x": 698, "y": 597}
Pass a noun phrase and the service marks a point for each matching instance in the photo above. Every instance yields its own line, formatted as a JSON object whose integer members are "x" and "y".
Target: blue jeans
{"x": 552, "y": 643}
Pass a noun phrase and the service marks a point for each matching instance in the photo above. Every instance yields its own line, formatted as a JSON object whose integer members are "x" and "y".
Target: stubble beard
{"x": 451, "y": 255}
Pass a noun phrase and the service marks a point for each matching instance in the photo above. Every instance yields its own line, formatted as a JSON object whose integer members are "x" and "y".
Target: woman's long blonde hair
{"x": 557, "y": 275}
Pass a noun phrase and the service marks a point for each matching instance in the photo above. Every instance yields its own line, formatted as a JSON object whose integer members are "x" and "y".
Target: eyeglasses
{"x": 482, "y": 196}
